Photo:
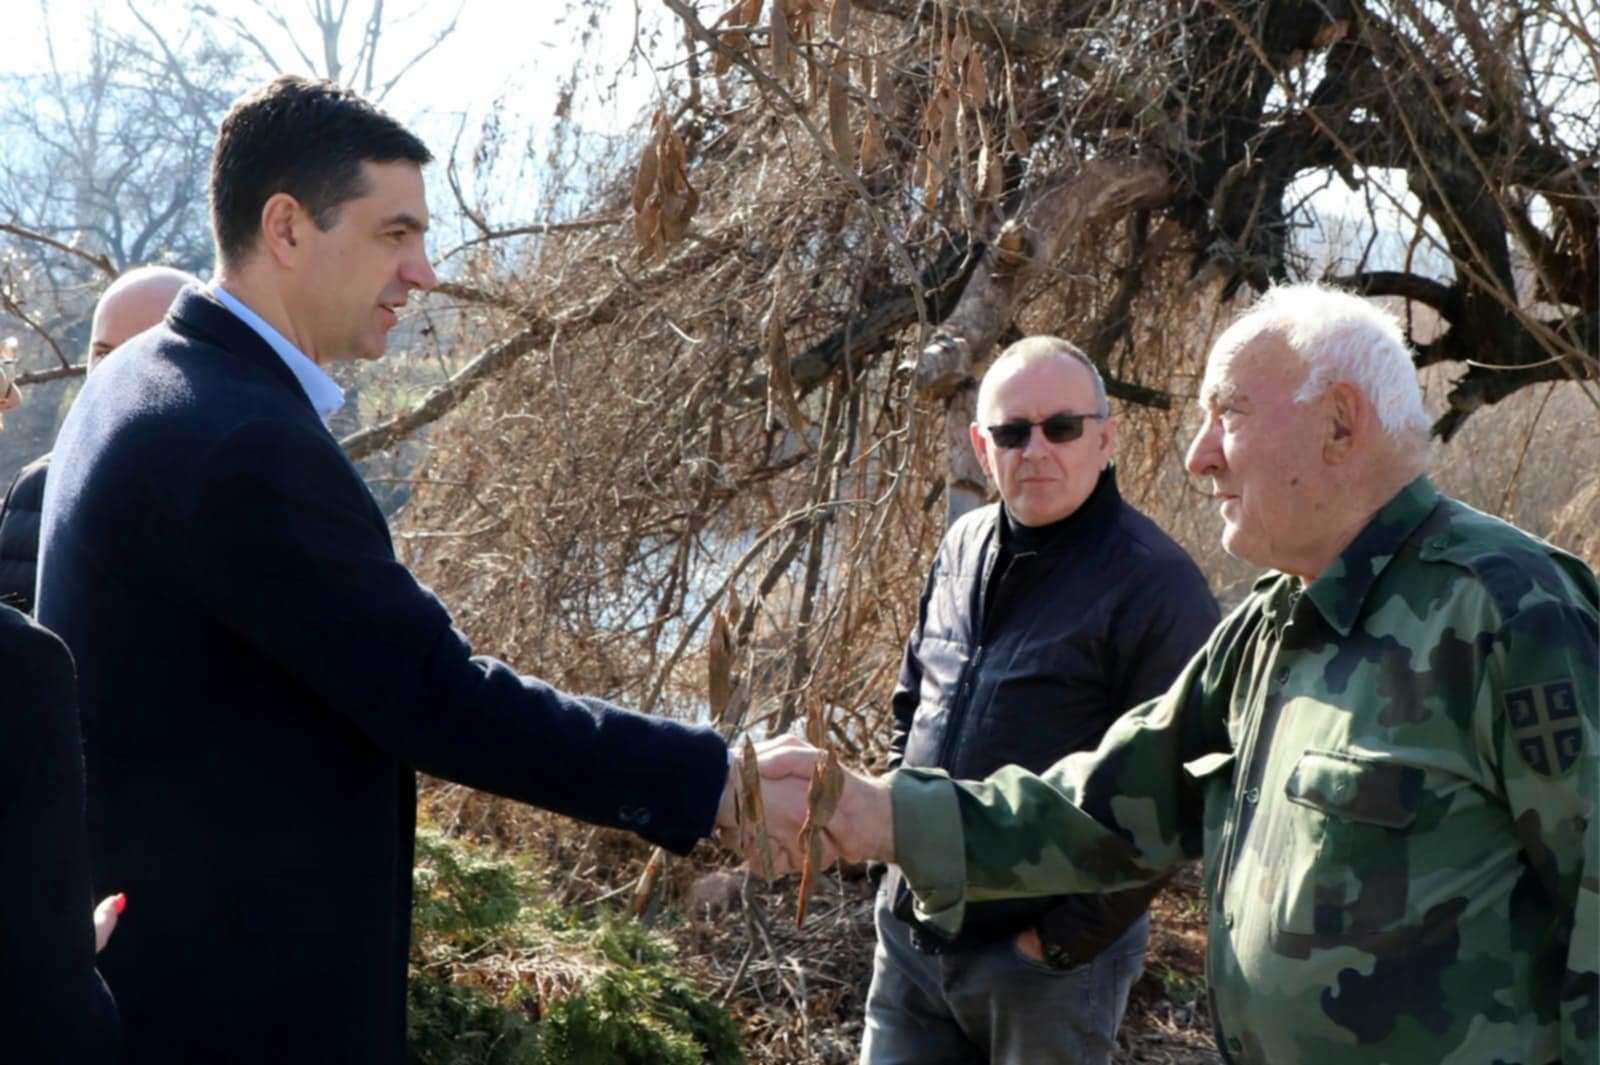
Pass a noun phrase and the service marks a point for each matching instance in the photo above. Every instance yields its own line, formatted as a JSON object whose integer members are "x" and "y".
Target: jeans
{"x": 993, "y": 1003}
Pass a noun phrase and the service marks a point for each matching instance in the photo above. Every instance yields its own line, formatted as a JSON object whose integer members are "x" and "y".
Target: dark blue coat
{"x": 54, "y": 1008}
{"x": 260, "y": 680}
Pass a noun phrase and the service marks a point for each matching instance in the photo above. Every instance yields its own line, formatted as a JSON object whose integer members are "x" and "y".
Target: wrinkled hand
{"x": 105, "y": 919}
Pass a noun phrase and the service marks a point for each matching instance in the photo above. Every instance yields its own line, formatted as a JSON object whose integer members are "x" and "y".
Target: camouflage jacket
{"x": 1390, "y": 775}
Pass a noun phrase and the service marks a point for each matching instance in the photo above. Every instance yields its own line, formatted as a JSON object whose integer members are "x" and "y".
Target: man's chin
{"x": 1238, "y": 546}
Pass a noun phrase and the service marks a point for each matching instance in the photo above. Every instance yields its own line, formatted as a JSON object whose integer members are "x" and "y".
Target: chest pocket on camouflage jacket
{"x": 1350, "y": 856}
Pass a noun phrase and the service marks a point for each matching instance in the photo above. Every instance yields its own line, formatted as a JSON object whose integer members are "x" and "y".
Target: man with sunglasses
{"x": 1044, "y": 617}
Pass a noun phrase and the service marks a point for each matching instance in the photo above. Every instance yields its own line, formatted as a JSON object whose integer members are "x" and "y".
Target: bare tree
{"x": 748, "y": 366}
{"x": 320, "y": 43}
{"x": 108, "y": 158}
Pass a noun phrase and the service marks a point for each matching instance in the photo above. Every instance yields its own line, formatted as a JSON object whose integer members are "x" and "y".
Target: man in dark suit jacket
{"x": 260, "y": 678}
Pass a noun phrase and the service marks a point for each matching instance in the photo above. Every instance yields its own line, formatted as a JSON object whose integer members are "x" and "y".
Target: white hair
{"x": 1342, "y": 337}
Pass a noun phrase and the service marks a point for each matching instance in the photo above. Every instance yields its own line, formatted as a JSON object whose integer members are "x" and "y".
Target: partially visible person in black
{"x": 133, "y": 303}
{"x": 1043, "y": 619}
{"x": 54, "y": 1008}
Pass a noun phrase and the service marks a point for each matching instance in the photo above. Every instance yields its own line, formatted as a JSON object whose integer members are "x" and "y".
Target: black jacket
{"x": 19, "y": 535}
{"x": 54, "y": 1008}
{"x": 1101, "y": 618}
{"x": 260, "y": 680}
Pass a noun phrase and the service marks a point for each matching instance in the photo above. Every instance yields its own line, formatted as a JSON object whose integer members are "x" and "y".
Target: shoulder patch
{"x": 1545, "y": 725}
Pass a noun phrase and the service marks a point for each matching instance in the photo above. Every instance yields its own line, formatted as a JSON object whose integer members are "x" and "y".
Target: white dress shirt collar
{"x": 326, "y": 397}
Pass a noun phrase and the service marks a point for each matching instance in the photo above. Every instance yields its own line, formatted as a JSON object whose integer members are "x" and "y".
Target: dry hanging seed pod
{"x": 749, "y": 808}
{"x": 647, "y": 881}
{"x": 816, "y": 728}
{"x": 664, "y": 203}
{"x": 779, "y": 41}
{"x": 839, "y": 132}
{"x": 719, "y": 666}
{"x": 875, "y": 79}
{"x": 679, "y": 200}
{"x": 743, "y": 13}
{"x": 839, "y": 21}
{"x": 822, "y": 798}
{"x": 781, "y": 399}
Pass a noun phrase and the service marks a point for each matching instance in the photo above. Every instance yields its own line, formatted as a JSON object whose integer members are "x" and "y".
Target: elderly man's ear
{"x": 1346, "y": 419}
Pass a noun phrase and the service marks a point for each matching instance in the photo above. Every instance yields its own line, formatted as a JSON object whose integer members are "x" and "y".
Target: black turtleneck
{"x": 1022, "y": 539}
{"x": 1017, "y": 539}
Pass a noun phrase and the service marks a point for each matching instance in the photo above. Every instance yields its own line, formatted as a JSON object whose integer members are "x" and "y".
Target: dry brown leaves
{"x": 664, "y": 202}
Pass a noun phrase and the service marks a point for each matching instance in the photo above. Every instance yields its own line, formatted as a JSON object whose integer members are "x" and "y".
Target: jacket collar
{"x": 197, "y": 315}
{"x": 1339, "y": 591}
{"x": 1086, "y": 524}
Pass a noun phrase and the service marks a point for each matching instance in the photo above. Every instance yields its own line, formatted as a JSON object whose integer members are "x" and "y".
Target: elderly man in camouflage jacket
{"x": 1385, "y": 756}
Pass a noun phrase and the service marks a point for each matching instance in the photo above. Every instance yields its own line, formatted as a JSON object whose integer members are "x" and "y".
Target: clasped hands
{"x": 861, "y": 828}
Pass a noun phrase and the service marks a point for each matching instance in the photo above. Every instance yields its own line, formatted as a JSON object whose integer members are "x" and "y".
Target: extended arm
{"x": 294, "y": 561}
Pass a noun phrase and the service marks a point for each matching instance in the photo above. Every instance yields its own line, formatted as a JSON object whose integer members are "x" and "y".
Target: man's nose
{"x": 1036, "y": 444}
{"x": 1204, "y": 456}
{"x": 417, "y": 272}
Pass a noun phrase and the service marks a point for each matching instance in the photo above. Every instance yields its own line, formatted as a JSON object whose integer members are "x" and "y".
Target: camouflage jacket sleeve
{"x": 1538, "y": 720}
{"x": 1100, "y": 820}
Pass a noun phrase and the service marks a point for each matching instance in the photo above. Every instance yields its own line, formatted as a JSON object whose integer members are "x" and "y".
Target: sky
{"x": 515, "y": 53}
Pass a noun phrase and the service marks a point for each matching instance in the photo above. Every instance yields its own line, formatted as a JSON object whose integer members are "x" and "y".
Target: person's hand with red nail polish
{"x": 105, "y": 918}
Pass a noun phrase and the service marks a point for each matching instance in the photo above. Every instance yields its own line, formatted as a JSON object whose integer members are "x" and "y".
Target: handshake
{"x": 792, "y": 805}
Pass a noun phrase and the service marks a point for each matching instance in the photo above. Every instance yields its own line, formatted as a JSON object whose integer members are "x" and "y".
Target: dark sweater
{"x": 19, "y": 535}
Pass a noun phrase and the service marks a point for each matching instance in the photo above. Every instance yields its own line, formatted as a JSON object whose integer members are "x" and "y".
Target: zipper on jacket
{"x": 979, "y": 608}
{"x": 958, "y": 708}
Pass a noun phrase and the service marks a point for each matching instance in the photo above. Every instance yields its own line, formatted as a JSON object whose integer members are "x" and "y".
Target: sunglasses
{"x": 1058, "y": 429}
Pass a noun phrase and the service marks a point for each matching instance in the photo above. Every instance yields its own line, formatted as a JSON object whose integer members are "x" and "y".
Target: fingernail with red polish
{"x": 119, "y": 902}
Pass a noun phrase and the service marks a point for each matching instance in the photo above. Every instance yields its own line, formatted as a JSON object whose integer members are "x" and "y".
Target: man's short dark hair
{"x": 302, "y": 136}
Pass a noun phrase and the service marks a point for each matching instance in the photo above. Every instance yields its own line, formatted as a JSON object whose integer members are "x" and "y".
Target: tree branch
{"x": 448, "y": 396}
{"x": 886, "y": 312}
{"x": 1441, "y": 297}
{"x": 1484, "y": 384}
{"x": 58, "y": 373}
{"x": 99, "y": 262}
